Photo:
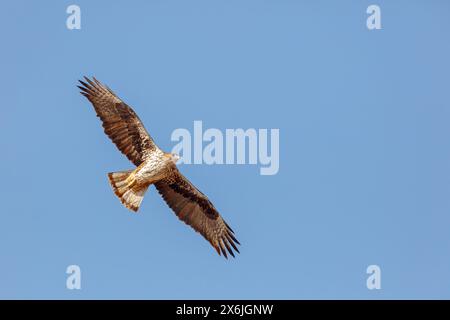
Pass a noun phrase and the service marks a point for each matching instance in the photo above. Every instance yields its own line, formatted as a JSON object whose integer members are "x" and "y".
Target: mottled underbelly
{"x": 150, "y": 172}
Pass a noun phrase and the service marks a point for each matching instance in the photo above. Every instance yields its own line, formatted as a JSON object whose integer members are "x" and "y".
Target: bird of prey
{"x": 154, "y": 166}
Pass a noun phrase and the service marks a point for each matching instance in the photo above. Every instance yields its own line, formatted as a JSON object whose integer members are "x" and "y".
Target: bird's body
{"x": 157, "y": 166}
{"x": 130, "y": 186}
{"x": 154, "y": 167}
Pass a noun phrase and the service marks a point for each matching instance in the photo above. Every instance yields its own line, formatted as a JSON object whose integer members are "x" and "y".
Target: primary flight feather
{"x": 154, "y": 166}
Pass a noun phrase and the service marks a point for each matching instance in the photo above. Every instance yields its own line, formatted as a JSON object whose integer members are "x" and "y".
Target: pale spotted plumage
{"x": 156, "y": 167}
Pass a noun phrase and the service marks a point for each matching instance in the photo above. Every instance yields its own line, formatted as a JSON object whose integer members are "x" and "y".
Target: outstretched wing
{"x": 120, "y": 122}
{"x": 195, "y": 209}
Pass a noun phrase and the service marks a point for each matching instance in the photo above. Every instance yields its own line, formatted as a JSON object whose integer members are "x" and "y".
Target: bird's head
{"x": 174, "y": 157}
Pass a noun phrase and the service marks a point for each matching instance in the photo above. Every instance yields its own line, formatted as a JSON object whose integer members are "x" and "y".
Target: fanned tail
{"x": 125, "y": 187}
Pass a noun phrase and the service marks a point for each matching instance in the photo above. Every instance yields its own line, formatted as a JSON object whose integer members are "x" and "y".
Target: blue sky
{"x": 364, "y": 148}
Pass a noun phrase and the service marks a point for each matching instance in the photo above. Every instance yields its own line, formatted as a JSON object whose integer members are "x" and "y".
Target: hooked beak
{"x": 176, "y": 158}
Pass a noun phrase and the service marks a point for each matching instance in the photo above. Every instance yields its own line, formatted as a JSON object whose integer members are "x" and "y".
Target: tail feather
{"x": 126, "y": 189}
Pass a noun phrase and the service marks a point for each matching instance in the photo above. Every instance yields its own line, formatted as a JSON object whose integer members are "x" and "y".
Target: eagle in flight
{"x": 154, "y": 166}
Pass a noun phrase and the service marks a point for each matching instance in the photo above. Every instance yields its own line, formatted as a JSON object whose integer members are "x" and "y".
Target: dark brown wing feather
{"x": 195, "y": 209}
{"x": 120, "y": 122}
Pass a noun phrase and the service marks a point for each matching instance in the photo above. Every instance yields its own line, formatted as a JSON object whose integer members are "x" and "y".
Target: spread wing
{"x": 120, "y": 122}
{"x": 195, "y": 209}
